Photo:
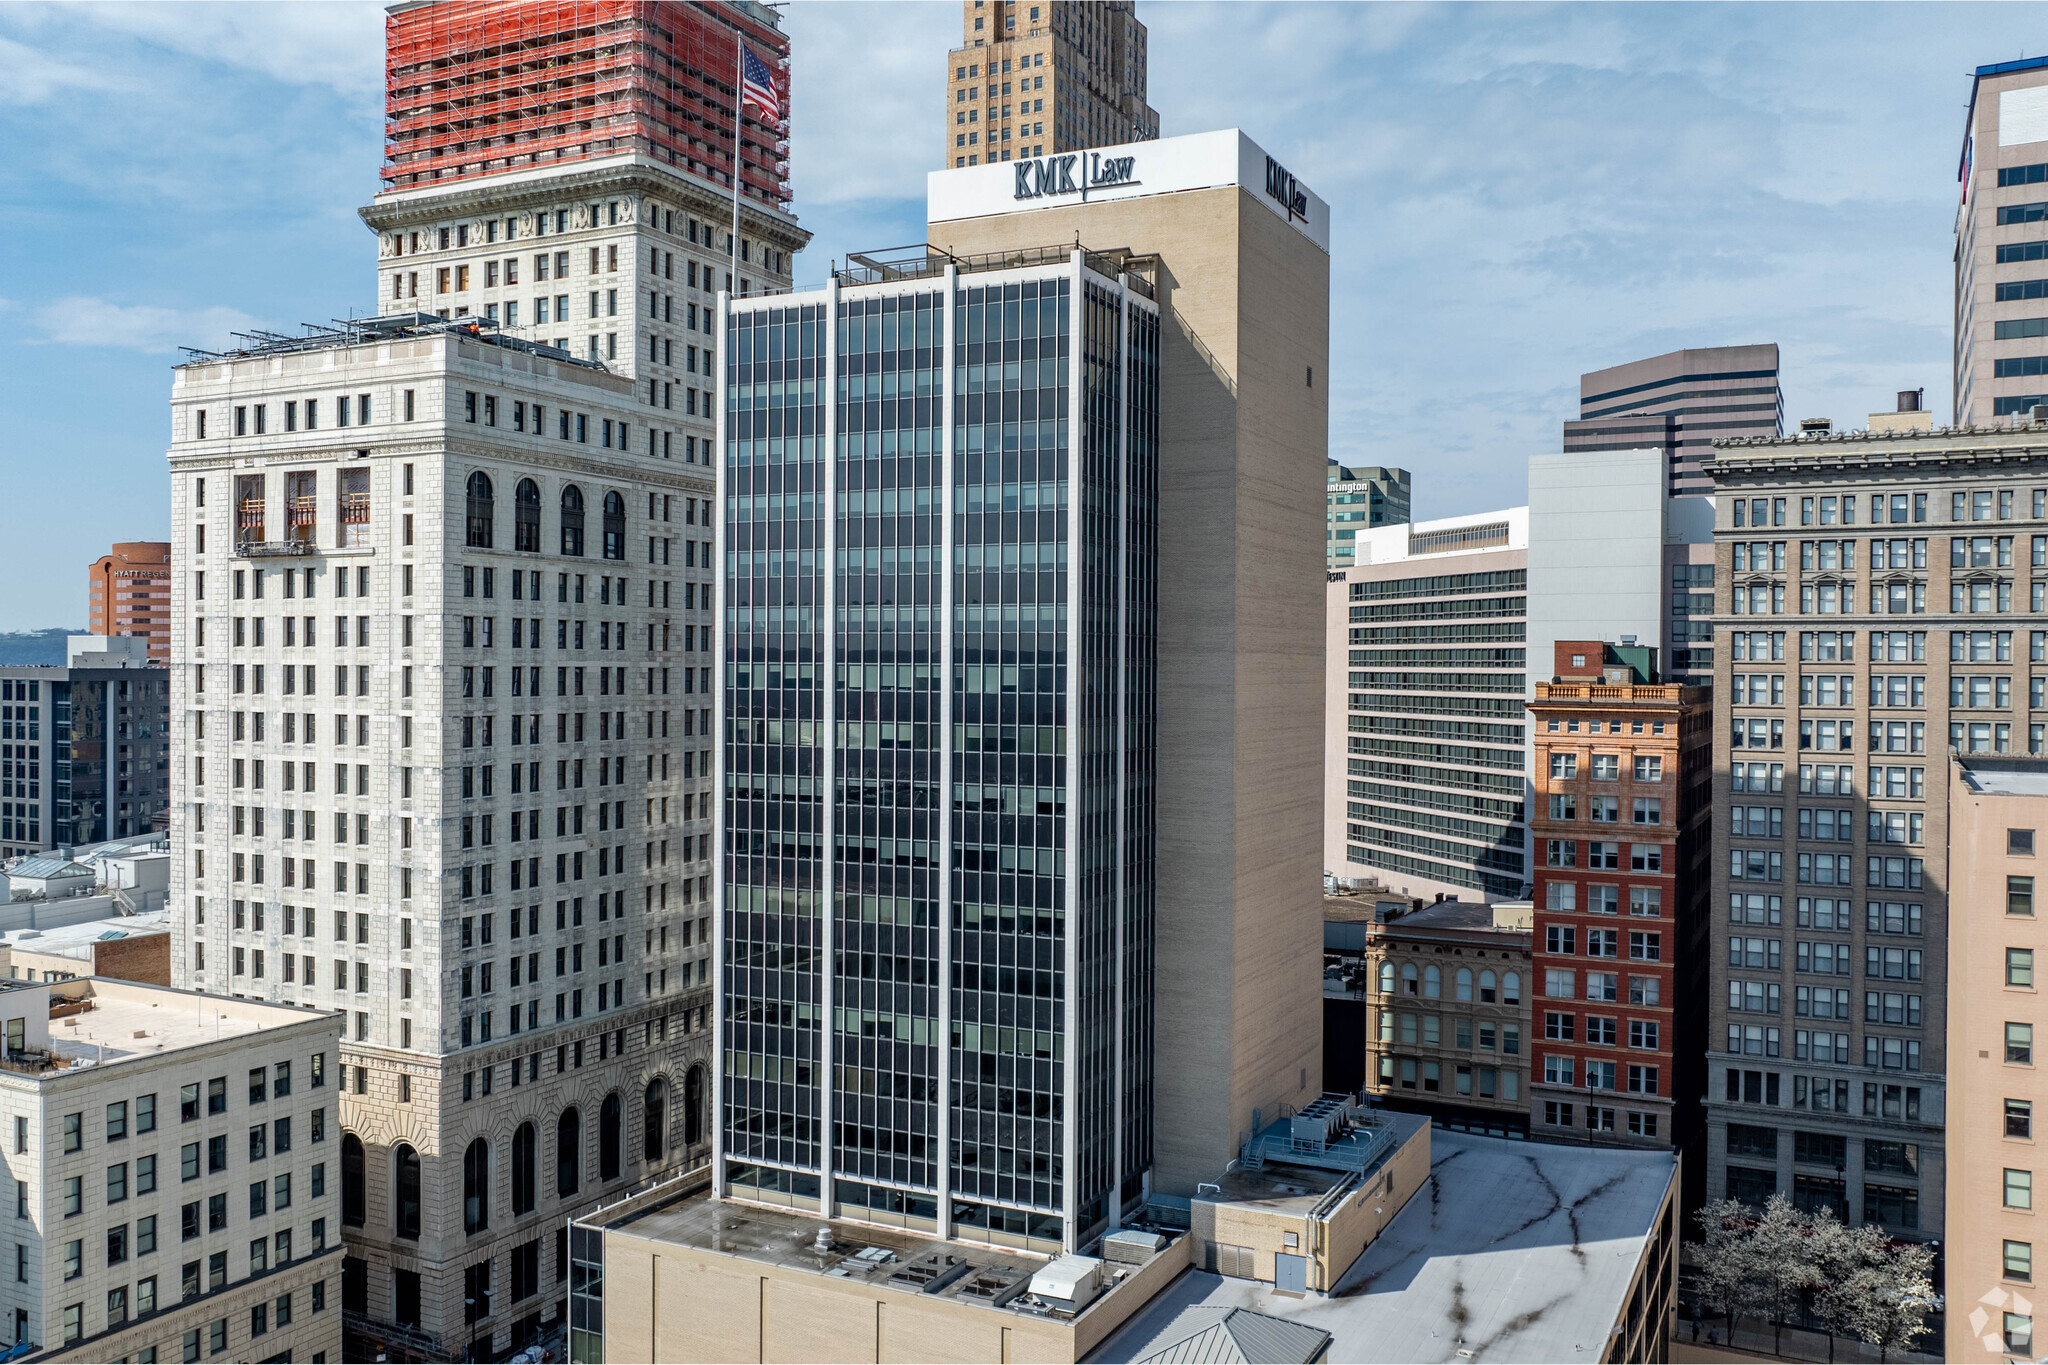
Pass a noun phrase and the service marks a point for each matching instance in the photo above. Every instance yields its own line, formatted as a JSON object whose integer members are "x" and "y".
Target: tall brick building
{"x": 128, "y": 592}
{"x": 1620, "y": 822}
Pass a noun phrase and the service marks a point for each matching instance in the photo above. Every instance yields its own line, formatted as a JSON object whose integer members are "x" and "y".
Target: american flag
{"x": 758, "y": 89}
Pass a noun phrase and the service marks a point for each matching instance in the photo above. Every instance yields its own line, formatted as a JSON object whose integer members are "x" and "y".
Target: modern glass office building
{"x": 938, "y": 602}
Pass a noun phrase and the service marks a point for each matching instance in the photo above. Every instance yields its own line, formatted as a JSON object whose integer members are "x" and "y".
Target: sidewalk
{"x": 1751, "y": 1343}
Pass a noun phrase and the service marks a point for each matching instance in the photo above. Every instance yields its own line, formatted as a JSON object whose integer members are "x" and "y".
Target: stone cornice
{"x": 636, "y": 175}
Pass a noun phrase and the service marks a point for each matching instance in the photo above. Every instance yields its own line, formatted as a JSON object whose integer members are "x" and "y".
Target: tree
{"x": 1727, "y": 1280}
{"x": 1879, "y": 1291}
{"x": 1781, "y": 1263}
{"x": 1773, "y": 1262}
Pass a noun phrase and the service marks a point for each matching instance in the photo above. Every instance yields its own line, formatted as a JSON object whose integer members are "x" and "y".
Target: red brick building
{"x": 128, "y": 592}
{"x": 1621, "y": 770}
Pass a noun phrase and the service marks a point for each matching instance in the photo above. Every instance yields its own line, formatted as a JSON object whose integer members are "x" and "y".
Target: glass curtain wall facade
{"x": 938, "y": 800}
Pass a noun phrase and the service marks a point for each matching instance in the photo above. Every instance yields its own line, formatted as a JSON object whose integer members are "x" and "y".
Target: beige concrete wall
{"x": 1364, "y": 1216}
{"x": 1333, "y": 1242}
{"x": 1243, "y": 450}
{"x": 1980, "y": 1079}
{"x": 678, "y": 1304}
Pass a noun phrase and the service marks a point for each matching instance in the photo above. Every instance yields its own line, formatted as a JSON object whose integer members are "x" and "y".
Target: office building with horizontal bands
{"x": 2001, "y": 247}
{"x": 128, "y": 592}
{"x": 1243, "y": 292}
{"x": 85, "y": 750}
{"x": 1998, "y": 816}
{"x": 1358, "y": 498}
{"x": 1882, "y": 596}
{"x": 441, "y": 700}
{"x": 1037, "y": 76}
{"x": 1621, "y": 777}
{"x": 938, "y": 817}
{"x": 177, "y": 1163}
{"x": 1680, "y": 403}
{"x": 1425, "y": 727}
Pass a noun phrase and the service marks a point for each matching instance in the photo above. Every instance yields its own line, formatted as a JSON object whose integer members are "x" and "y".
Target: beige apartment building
{"x": 1880, "y": 598}
{"x": 1998, "y": 830}
{"x": 176, "y": 1160}
{"x": 1032, "y": 77}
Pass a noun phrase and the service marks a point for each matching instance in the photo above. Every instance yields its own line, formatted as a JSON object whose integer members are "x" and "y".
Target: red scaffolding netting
{"x": 477, "y": 87}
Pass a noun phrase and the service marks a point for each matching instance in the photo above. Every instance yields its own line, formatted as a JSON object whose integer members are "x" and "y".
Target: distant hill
{"x": 35, "y": 646}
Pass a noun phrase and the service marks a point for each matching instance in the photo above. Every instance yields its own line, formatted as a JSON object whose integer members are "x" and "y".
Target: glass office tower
{"x": 938, "y": 601}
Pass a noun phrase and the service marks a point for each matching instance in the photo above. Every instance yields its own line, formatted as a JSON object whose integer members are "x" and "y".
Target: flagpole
{"x": 739, "y": 81}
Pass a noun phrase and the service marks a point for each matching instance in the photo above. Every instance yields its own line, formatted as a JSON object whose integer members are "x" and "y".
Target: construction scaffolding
{"x": 478, "y": 87}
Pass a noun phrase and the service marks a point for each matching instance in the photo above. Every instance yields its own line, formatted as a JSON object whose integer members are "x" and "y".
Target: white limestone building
{"x": 440, "y": 697}
{"x": 174, "y": 1162}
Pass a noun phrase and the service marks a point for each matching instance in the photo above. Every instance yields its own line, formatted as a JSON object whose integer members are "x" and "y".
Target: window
{"x": 476, "y": 1184}
{"x": 479, "y": 519}
{"x": 2019, "y": 967}
{"x": 406, "y": 1213}
{"x": 2019, "y": 1261}
{"x": 2019, "y": 895}
{"x": 572, "y": 520}
{"x": 2019, "y": 1189}
{"x": 354, "y": 1199}
{"x": 2019, "y": 1118}
{"x": 2019, "y": 1043}
{"x": 526, "y": 516}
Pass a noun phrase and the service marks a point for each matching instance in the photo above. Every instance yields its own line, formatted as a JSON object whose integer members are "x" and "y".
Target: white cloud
{"x": 306, "y": 42}
{"x": 85, "y": 321}
{"x": 866, "y": 86}
{"x": 34, "y": 75}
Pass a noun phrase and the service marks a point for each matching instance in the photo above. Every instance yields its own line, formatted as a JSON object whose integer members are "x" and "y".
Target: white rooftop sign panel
{"x": 1133, "y": 170}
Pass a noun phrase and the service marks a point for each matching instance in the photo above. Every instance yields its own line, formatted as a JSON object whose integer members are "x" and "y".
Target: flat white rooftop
{"x": 129, "y": 1020}
{"x": 2006, "y": 776}
{"x": 1511, "y": 1251}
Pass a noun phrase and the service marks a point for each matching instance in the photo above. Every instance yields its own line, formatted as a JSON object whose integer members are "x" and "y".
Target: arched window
{"x": 405, "y": 1213}
{"x": 355, "y": 1200}
{"x": 1511, "y": 989}
{"x": 693, "y": 1107}
{"x": 1433, "y": 982}
{"x": 476, "y": 1187}
{"x": 569, "y": 1153}
{"x": 610, "y": 1120}
{"x": 1408, "y": 978}
{"x": 1386, "y": 978}
{"x": 526, "y": 516}
{"x": 525, "y": 1158}
{"x": 479, "y": 512}
{"x": 1464, "y": 983}
{"x": 614, "y": 526}
{"x": 1487, "y": 993}
{"x": 572, "y": 520}
{"x": 654, "y": 1121}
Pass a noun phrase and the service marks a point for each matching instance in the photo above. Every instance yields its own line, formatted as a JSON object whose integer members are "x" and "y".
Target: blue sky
{"x": 1518, "y": 194}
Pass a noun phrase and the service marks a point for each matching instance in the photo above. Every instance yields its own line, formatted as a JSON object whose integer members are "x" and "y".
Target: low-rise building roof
{"x": 1235, "y": 1336}
{"x": 1512, "y": 1251}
